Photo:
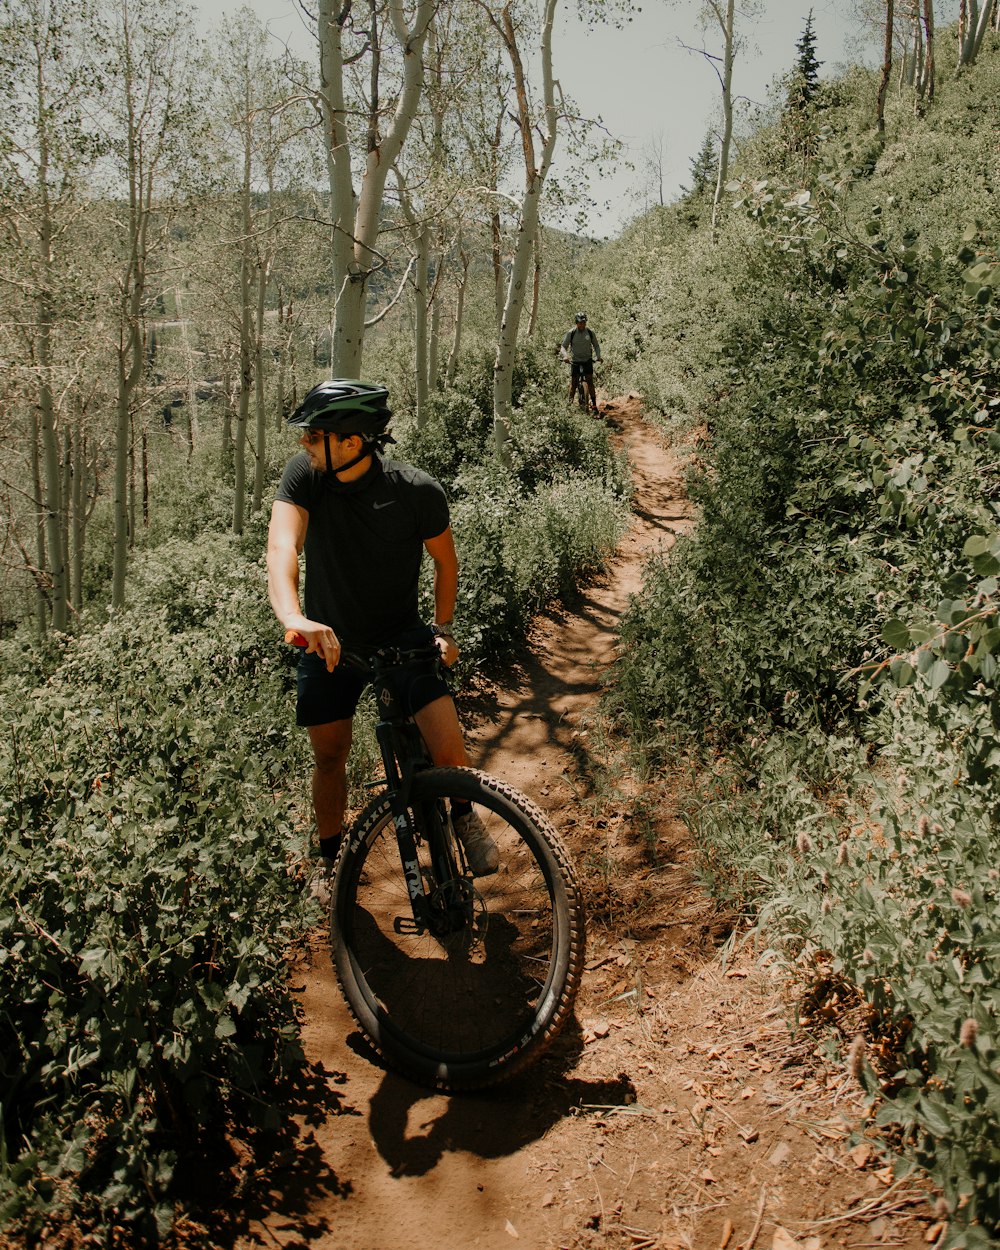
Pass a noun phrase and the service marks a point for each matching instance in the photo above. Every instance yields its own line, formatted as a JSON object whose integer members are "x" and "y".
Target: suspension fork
{"x": 399, "y": 783}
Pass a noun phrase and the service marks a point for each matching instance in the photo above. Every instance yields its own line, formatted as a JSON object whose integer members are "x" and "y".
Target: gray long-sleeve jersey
{"x": 582, "y": 344}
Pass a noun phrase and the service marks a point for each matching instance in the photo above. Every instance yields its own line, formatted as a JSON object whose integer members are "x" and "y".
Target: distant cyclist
{"x": 581, "y": 348}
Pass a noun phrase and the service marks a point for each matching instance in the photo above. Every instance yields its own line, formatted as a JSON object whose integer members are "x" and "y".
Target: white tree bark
{"x": 536, "y": 168}
{"x": 725, "y": 19}
{"x": 972, "y": 31}
{"x": 355, "y": 215}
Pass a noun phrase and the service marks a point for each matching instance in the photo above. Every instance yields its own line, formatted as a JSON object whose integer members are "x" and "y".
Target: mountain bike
{"x": 577, "y": 377}
{"x": 582, "y": 391}
{"x": 459, "y": 982}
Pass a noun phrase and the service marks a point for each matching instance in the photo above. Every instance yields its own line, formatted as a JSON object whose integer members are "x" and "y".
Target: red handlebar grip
{"x": 294, "y": 638}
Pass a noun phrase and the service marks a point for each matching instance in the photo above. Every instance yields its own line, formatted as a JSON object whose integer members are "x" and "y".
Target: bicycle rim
{"x": 481, "y": 998}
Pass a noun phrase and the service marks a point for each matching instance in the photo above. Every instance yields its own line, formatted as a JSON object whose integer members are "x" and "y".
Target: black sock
{"x": 460, "y": 808}
{"x": 328, "y": 847}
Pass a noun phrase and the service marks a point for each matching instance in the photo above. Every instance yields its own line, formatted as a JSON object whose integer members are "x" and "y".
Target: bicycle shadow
{"x": 491, "y": 1123}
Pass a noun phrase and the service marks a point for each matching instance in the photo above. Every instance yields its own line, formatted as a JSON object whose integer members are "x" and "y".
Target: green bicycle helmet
{"x": 344, "y": 406}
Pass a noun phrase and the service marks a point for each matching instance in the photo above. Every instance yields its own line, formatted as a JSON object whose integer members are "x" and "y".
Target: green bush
{"x": 833, "y": 625}
{"x": 152, "y": 885}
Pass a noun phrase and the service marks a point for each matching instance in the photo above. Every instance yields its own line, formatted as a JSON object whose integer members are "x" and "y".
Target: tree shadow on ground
{"x": 283, "y": 1172}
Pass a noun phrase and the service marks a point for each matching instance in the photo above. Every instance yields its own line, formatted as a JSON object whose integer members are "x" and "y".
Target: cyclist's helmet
{"x": 581, "y": 316}
{"x": 345, "y": 406}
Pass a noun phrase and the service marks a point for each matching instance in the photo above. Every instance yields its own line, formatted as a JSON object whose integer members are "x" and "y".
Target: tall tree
{"x": 389, "y": 40}
{"x": 805, "y": 74}
{"x": 704, "y": 168}
{"x": 47, "y": 151}
{"x": 973, "y": 23}
{"x": 883, "y": 86}
{"x": 802, "y": 96}
{"x": 150, "y": 114}
{"x": 261, "y": 116}
{"x": 721, "y": 15}
{"x": 537, "y": 160}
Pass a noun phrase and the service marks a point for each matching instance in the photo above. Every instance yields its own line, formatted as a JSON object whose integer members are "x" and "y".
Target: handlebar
{"x": 386, "y": 657}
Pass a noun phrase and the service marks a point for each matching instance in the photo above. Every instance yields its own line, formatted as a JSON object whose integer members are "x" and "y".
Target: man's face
{"x": 581, "y": 325}
{"x": 341, "y": 449}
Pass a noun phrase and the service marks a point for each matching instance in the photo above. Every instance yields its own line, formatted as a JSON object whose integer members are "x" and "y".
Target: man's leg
{"x": 331, "y": 745}
{"x": 438, "y": 722}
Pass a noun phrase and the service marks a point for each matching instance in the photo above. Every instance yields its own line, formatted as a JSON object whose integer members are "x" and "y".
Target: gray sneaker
{"x": 480, "y": 849}
{"x": 321, "y": 885}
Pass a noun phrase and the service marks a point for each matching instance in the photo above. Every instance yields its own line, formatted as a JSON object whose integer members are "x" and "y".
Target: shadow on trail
{"x": 490, "y": 1124}
{"x": 287, "y": 1172}
{"x": 537, "y": 671}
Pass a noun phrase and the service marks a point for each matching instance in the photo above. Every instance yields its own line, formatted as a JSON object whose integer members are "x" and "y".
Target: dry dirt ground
{"x": 680, "y": 1109}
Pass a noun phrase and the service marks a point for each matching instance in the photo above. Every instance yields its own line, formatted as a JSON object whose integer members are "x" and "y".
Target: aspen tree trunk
{"x": 285, "y": 331}
{"x": 727, "y": 107}
{"x": 535, "y": 172}
{"x": 434, "y": 343}
{"x": 79, "y": 525}
{"x": 145, "y": 479}
{"x": 927, "y": 84}
{"x": 41, "y": 599}
{"x": 420, "y": 336}
{"x": 536, "y": 284}
{"x": 456, "y": 340}
{"x": 972, "y": 30}
{"x": 191, "y": 416}
{"x": 146, "y": 126}
{"x": 420, "y": 245}
{"x": 265, "y": 262}
{"x": 886, "y": 69}
{"x": 133, "y": 527}
{"x": 246, "y": 345}
{"x": 50, "y": 497}
{"x": 356, "y": 216}
{"x": 260, "y": 415}
{"x": 226, "y": 449}
{"x": 65, "y": 509}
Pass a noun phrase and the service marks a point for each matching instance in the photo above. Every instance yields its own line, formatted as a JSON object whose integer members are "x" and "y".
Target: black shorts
{"x": 324, "y": 697}
{"x": 582, "y": 369}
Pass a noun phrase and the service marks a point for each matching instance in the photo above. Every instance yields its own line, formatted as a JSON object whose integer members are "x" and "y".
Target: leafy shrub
{"x": 520, "y": 549}
{"x": 847, "y": 530}
{"x": 150, "y": 876}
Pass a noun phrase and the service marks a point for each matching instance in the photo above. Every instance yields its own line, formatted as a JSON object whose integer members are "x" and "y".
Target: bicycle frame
{"x": 404, "y": 754}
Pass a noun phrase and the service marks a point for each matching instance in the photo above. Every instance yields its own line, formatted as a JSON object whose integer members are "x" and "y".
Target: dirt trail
{"x": 677, "y": 1110}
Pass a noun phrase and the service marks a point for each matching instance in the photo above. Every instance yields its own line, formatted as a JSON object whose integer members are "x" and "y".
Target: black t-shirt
{"x": 364, "y": 544}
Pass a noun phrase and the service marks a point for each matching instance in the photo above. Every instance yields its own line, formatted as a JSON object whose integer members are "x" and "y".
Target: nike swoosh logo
{"x": 387, "y": 503}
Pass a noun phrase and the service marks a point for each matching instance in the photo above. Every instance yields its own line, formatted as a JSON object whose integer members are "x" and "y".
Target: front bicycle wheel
{"x": 477, "y": 993}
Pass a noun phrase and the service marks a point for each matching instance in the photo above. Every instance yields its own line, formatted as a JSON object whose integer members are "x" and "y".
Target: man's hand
{"x": 448, "y": 648}
{"x": 319, "y": 639}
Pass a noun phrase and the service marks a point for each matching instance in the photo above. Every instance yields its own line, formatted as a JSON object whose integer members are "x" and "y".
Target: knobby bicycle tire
{"x": 478, "y": 1004}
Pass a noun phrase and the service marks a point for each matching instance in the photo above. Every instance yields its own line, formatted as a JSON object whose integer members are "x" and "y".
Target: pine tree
{"x": 704, "y": 169}
{"x": 804, "y": 82}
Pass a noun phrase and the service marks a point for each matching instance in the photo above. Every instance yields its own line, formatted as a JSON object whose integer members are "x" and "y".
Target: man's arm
{"x": 442, "y": 551}
{"x": 285, "y": 537}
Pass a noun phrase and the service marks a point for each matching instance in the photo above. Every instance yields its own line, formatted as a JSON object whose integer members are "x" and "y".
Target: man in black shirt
{"x": 364, "y": 523}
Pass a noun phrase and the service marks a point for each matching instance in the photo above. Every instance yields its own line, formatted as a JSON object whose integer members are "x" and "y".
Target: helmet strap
{"x": 366, "y": 450}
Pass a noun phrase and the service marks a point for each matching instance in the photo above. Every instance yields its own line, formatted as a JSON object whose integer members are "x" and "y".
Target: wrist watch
{"x": 443, "y": 630}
